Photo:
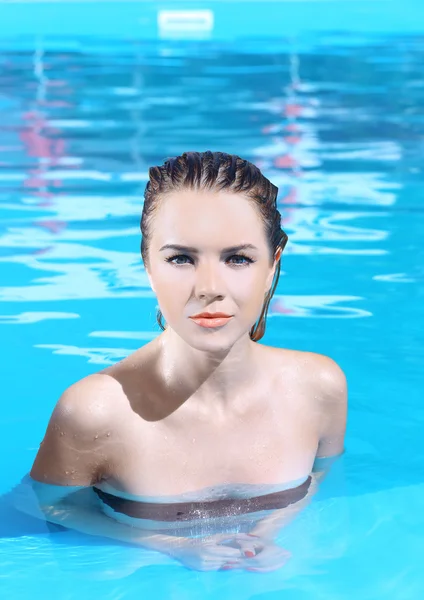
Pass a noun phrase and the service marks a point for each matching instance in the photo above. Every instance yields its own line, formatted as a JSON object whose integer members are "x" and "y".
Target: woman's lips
{"x": 210, "y": 322}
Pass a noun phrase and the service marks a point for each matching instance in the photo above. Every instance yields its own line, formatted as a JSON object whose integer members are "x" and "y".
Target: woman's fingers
{"x": 271, "y": 558}
{"x": 245, "y": 551}
{"x": 216, "y": 560}
{"x": 227, "y": 538}
{"x": 251, "y": 547}
{"x": 248, "y": 544}
{"x": 250, "y": 552}
{"x": 224, "y": 551}
{"x": 212, "y": 566}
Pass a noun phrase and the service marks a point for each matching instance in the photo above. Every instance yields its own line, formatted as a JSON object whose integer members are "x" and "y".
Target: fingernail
{"x": 226, "y": 568}
{"x": 249, "y": 553}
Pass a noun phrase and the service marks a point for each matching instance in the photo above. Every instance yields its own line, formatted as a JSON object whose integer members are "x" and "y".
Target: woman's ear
{"x": 270, "y": 277}
{"x": 278, "y": 254}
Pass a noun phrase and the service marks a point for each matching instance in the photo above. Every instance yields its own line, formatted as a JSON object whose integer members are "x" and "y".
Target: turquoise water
{"x": 338, "y": 124}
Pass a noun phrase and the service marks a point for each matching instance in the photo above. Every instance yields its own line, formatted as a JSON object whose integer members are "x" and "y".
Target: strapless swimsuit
{"x": 186, "y": 511}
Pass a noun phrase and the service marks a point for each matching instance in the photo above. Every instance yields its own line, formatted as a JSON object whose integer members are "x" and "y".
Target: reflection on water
{"x": 35, "y": 317}
{"x": 95, "y": 355}
{"x": 79, "y": 137}
{"x": 315, "y": 306}
{"x": 338, "y": 127}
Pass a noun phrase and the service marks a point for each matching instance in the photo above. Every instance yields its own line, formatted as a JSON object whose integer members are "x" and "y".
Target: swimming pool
{"x": 336, "y": 121}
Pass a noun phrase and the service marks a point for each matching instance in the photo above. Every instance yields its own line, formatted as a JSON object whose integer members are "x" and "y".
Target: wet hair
{"x": 217, "y": 171}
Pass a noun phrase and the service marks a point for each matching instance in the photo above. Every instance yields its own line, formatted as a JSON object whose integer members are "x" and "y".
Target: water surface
{"x": 339, "y": 127}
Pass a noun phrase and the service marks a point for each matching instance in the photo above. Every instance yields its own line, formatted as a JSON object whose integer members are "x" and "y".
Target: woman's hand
{"x": 268, "y": 557}
{"x": 262, "y": 557}
{"x": 216, "y": 551}
{"x": 226, "y": 551}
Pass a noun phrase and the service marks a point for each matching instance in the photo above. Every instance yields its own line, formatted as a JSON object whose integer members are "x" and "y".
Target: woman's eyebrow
{"x": 196, "y": 251}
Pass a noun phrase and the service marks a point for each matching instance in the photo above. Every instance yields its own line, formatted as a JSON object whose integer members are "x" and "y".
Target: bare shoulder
{"x": 327, "y": 375}
{"x": 90, "y": 403}
{"x": 328, "y": 383}
{"x": 320, "y": 372}
{"x": 74, "y": 450}
{"x": 322, "y": 385}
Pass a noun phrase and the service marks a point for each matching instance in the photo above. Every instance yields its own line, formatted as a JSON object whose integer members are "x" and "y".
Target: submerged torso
{"x": 220, "y": 512}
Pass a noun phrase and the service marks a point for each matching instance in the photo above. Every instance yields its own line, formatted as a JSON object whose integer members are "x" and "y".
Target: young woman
{"x": 203, "y": 424}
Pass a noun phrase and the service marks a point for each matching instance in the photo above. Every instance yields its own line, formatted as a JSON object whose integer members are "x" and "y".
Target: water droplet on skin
{"x": 193, "y": 440}
{"x": 95, "y": 437}
{"x": 108, "y": 434}
{"x": 62, "y": 433}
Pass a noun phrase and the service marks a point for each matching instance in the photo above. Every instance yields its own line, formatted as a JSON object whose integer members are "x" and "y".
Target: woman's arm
{"x": 75, "y": 507}
{"x": 75, "y": 453}
{"x": 270, "y": 526}
{"x": 327, "y": 383}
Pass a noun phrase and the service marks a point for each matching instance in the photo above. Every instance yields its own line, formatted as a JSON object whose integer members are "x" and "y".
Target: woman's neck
{"x": 208, "y": 378}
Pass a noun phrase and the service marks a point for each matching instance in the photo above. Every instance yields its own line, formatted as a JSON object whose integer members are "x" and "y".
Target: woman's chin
{"x": 211, "y": 343}
{"x": 218, "y": 339}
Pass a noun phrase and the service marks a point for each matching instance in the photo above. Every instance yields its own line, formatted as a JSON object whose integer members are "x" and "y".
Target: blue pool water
{"x": 337, "y": 122}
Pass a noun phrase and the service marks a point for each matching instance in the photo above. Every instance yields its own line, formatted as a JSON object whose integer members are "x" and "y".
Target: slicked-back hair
{"x": 216, "y": 171}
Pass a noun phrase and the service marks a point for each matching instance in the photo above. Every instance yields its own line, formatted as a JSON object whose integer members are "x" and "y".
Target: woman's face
{"x": 206, "y": 276}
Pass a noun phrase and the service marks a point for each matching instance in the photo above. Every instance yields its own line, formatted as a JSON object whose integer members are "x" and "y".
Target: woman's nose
{"x": 208, "y": 281}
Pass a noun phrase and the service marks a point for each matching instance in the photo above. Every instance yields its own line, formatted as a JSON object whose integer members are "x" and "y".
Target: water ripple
{"x": 337, "y": 123}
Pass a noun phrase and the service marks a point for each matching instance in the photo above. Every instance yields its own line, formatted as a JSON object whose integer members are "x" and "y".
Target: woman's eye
{"x": 240, "y": 258}
{"x": 171, "y": 259}
{"x": 245, "y": 259}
